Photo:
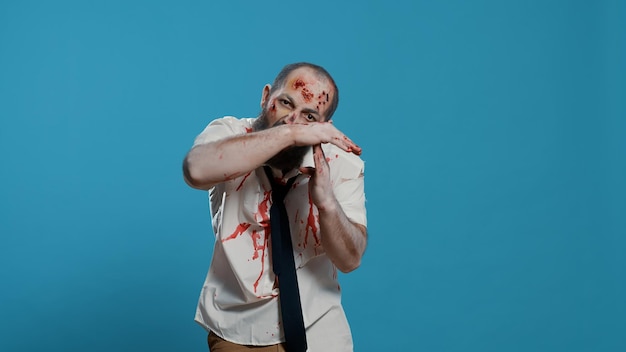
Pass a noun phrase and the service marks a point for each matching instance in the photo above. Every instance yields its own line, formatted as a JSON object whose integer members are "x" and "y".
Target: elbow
{"x": 349, "y": 266}
{"x": 192, "y": 178}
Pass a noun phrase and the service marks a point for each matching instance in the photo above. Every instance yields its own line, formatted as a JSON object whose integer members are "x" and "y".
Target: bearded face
{"x": 287, "y": 159}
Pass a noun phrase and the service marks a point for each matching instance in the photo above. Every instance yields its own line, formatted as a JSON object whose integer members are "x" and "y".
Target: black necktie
{"x": 285, "y": 268}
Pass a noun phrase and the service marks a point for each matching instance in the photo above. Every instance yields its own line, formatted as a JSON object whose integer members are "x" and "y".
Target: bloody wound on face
{"x": 306, "y": 93}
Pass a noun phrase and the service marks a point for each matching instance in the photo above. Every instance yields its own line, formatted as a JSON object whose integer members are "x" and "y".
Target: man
{"x": 242, "y": 162}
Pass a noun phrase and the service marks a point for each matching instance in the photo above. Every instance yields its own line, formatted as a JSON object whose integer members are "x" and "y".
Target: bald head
{"x": 286, "y": 73}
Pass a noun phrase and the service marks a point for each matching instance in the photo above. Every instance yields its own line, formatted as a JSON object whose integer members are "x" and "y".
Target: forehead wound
{"x": 312, "y": 89}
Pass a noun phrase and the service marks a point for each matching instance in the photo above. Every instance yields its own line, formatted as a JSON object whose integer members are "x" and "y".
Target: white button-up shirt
{"x": 239, "y": 301}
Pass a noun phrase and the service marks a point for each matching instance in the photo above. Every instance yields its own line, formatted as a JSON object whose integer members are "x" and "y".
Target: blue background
{"x": 493, "y": 135}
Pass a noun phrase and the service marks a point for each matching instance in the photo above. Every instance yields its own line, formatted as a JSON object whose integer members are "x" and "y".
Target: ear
{"x": 266, "y": 95}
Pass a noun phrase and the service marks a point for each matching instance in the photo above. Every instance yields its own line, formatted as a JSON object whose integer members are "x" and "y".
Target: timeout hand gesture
{"x": 320, "y": 188}
{"x": 315, "y": 133}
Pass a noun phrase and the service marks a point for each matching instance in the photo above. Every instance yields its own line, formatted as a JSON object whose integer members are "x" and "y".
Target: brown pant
{"x": 218, "y": 344}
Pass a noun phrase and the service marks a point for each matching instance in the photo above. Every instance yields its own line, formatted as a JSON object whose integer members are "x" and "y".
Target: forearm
{"x": 208, "y": 164}
{"x": 343, "y": 240}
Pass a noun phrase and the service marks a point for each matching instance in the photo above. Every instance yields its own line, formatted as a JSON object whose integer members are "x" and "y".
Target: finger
{"x": 309, "y": 171}
{"x": 351, "y": 147}
{"x": 318, "y": 154}
{"x": 321, "y": 163}
{"x": 317, "y": 150}
{"x": 342, "y": 141}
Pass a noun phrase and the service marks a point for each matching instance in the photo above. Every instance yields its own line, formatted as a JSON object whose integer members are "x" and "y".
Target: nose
{"x": 291, "y": 118}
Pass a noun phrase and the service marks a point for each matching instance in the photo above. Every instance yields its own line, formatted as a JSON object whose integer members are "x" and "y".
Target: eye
{"x": 310, "y": 117}
{"x": 285, "y": 102}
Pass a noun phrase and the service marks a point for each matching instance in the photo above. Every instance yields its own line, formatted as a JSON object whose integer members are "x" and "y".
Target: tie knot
{"x": 279, "y": 191}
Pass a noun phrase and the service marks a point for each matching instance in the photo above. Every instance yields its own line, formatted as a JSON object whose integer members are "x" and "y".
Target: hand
{"x": 320, "y": 188}
{"x": 323, "y": 132}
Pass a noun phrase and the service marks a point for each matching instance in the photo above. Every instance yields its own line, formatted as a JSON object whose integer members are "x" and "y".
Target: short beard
{"x": 288, "y": 158}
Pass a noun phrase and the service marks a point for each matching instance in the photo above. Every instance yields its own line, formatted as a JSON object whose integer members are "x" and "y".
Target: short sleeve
{"x": 222, "y": 128}
{"x": 349, "y": 187}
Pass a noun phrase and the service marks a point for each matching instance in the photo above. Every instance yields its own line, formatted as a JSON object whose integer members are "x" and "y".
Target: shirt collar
{"x": 307, "y": 161}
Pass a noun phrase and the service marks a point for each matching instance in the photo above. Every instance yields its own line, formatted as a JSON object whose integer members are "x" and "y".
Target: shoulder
{"x": 224, "y": 127}
{"x": 242, "y": 125}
